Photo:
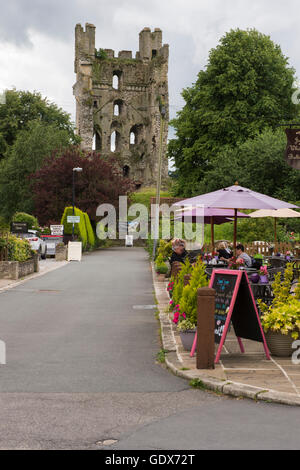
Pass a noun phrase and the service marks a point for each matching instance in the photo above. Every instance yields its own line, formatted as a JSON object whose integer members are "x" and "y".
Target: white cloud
{"x": 46, "y": 67}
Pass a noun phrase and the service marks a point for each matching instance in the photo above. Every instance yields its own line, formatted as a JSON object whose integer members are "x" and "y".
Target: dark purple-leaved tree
{"x": 101, "y": 181}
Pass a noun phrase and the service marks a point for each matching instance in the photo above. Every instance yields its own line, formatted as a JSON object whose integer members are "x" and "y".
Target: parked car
{"x": 36, "y": 243}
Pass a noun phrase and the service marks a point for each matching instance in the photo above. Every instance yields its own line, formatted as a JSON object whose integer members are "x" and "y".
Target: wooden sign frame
{"x": 239, "y": 277}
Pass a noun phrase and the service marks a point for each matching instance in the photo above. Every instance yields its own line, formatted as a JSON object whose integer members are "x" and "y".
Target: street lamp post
{"x": 163, "y": 113}
{"x": 75, "y": 170}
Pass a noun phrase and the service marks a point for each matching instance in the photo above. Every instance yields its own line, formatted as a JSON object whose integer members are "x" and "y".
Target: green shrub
{"x": 27, "y": 218}
{"x": 165, "y": 249}
{"x": 283, "y": 315}
{"x": 161, "y": 268}
{"x": 84, "y": 229}
{"x": 79, "y": 229}
{"x": 90, "y": 231}
{"x": 186, "y": 325}
{"x": 160, "y": 265}
{"x": 4, "y": 225}
{"x": 188, "y": 301}
{"x": 179, "y": 282}
{"x": 18, "y": 249}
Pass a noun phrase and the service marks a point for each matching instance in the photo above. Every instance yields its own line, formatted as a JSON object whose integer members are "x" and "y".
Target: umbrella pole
{"x": 234, "y": 231}
{"x": 275, "y": 233}
{"x": 212, "y": 234}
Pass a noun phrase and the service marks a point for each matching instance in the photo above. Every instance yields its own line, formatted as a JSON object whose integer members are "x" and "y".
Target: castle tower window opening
{"x": 115, "y": 142}
{"x": 116, "y": 81}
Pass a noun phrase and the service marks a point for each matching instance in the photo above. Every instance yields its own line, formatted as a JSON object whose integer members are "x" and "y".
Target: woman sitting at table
{"x": 179, "y": 253}
{"x": 224, "y": 252}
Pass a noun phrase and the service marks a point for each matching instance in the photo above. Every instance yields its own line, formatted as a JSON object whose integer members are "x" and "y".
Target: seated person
{"x": 179, "y": 253}
{"x": 240, "y": 253}
{"x": 224, "y": 252}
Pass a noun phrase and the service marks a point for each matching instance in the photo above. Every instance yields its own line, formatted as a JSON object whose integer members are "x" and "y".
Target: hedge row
{"x": 84, "y": 229}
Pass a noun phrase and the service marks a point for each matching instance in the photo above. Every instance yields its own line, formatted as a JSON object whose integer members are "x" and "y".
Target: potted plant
{"x": 161, "y": 268}
{"x": 281, "y": 320}
{"x": 236, "y": 263}
{"x": 263, "y": 272}
{"x": 187, "y": 331}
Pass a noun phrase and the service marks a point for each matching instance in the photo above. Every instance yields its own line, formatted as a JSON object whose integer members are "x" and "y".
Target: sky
{"x": 37, "y": 37}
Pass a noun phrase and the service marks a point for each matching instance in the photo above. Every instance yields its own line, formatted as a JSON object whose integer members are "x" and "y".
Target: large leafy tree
{"x": 245, "y": 88}
{"x": 100, "y": 182}
{"x": 32, "y": 146}
{"x": 258, "y": 164}
{"x": 23, "y": 107}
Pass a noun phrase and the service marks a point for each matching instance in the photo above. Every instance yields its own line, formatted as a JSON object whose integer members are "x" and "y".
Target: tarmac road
{"x": 81, "y": 347}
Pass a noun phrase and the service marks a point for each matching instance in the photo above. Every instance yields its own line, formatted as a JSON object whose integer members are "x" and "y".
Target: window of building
{"x": 116, "y": 80}
{"x": 97, "y": 141}
{"x": 132, "y": 138}
{"x": 115, "y": 141}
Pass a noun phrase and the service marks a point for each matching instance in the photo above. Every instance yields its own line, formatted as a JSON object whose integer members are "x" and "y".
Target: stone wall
{"x": 127, "y": 112}
{"x": 16, "y": 270}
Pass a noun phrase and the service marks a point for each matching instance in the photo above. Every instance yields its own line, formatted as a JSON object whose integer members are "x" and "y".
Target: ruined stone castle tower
{"x": 119, "y": 102}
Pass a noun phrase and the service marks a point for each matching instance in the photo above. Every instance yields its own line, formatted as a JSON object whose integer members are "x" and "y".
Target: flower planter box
{"x": 161, "y": 277}
{"x": 279, "y": 345}
{"x": 187, "y": 338}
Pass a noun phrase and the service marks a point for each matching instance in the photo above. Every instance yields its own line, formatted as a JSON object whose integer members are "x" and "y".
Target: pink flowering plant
{"x": 170, "y": 287}
{"x": 263, "y": 270}
{"x": 178, "y": 315}
{"x": 236, "y": 263}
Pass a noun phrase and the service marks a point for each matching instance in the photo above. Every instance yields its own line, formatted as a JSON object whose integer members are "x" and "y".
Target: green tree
{"x": 258, "y": 164}
{"x": 245, "y": 88}
{"x": 22, "y": 107}
{"x": 32, "y": 146}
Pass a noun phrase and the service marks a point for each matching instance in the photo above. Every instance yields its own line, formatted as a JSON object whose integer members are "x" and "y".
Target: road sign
{"x": 73, "y": 219}
{"x": 57, "y": 229}
{"x": 19, "y": 227}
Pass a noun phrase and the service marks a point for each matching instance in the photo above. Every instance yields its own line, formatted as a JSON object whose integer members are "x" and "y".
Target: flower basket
{"x": 281, "y": 319}
{"x": 264, "y": 279}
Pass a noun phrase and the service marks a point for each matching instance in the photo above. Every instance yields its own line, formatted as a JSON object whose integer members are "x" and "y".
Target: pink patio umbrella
{"x": 236, "y": 197}
{"x": 211, "y": 215}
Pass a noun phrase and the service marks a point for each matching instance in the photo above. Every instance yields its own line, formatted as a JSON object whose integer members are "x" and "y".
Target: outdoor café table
{"x": 277, "y": 261}
{"x": 262, "y": 291}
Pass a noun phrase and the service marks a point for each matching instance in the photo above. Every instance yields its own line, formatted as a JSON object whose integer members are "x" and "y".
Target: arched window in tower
{"x": 118, "y": 107}
{"x": 136, "y": 134}
{"x": 132, "y": 138}
{"x": 115, "y": 141}
{"x": 116, "y": 80}
{"x": 116, "y": 110}
{"x": 97, "y": 140}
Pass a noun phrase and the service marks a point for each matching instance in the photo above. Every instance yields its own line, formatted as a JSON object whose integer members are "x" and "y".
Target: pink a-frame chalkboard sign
{"x": 234, "y": 304}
